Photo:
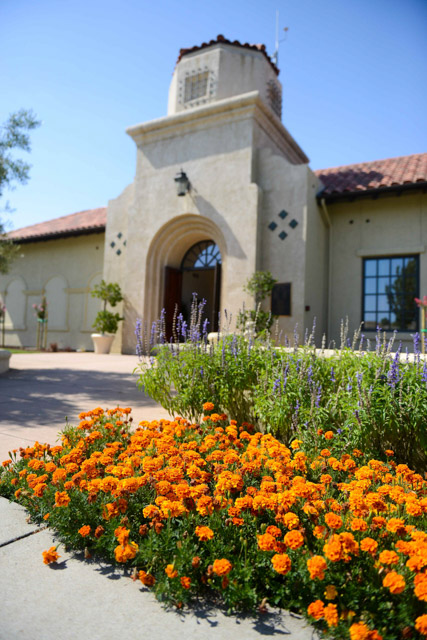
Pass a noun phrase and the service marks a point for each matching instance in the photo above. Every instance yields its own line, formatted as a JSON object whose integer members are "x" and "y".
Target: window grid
{"x": 390, "y": 285}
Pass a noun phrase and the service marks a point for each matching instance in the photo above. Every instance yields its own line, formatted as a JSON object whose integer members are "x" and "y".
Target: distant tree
{"x": 13, "y": 135}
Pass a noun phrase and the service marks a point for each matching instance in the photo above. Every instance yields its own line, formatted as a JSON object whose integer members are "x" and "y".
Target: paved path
{"x": 41, "y": 390}
{"x": 88, "y": 599}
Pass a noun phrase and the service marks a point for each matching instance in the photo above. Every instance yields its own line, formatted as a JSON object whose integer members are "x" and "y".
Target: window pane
{"x": 370, "y": 303}
{"x": 384, "y": 267}
{"x": 371, "y": 285}
{"x": 370, "y": 267}
{"x": 382, "y": 284}
{"x": 383, "y": 303}
{"x": 396, "y": 266}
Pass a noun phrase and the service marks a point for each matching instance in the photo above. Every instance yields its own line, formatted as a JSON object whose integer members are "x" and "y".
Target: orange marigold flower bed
{"x": 220, "y": 507}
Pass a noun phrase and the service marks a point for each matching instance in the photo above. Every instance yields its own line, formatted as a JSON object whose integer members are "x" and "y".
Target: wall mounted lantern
{"x": 182, "y": 183}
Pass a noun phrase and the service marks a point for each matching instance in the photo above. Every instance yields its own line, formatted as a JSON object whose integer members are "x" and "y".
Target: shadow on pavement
{"x": 47, "y": 396}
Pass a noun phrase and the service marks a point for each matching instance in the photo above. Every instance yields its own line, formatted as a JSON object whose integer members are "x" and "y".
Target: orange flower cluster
{"x": 308, "y": 516}
{"x": 50, "y": 555}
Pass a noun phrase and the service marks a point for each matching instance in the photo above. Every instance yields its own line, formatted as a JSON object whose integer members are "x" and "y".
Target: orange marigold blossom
{"x": 85, "y": 530}
{"x": 329, "y": 435}
{"x": 394, "y": 582}
{"x": 50, "y": 555}
{"x": 421, "y": 624}
{"x": 388, "y": 557}
{"x": 274, "y": 531}
{"x": 222, "y": 567}
{"x": 147, "y": 579}
{"x": 171, "y": 571}
{"x": 359, "y": 631}
{"x": 185, "y": 582}
{"x": 281, "y": 563}
{"x": 266, "y": 542}
{"x": 204, "y": 533}
{"x": 369, "y": 545}
{"x": 330, "y": 613}
{"x": 62, "y": 499}
{"x": 126, "y": 552}
{"x": 420, "y": 582}
{"x": 294, "y": 539}
{"x": 333, "y": 521}
{"x": 208, "y": 406}
{"x": 317, "y": 566}
{"x": 316, "y": 609}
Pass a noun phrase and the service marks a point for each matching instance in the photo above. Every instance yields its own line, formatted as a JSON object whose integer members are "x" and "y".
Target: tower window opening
{"x": 196, "y": 86}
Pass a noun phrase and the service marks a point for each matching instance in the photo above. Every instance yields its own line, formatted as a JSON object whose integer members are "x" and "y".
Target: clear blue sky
{"x": 354, "y": 78}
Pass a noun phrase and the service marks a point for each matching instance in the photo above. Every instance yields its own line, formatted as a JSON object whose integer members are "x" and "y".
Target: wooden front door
{"x": 172, "y": 297}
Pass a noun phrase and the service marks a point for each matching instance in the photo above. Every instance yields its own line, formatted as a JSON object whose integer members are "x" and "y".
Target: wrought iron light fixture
{"x": 182, "y": 183}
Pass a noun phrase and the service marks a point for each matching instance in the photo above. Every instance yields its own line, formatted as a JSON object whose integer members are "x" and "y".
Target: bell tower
{"x": 222, "y": 69}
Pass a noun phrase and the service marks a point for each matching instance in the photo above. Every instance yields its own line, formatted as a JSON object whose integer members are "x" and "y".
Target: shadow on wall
{"x": 43, "y": 397}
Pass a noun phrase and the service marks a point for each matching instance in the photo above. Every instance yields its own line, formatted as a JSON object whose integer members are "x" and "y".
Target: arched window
{"x": 16, "y": 303}
{"x": 202, "y": 255}
{"x": 57, "y": 303}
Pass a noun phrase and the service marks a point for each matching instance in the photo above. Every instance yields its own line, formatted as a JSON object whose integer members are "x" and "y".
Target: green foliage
{"x": 372, "y": 400}
{"x": 109, "y": 293}
{"x": 260, "y": 285}
{"x": 107, "y": 322}
{"x": 13, "y": 135}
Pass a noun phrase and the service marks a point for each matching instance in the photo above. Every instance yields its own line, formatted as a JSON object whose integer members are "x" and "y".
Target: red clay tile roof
{"x": 377, "y": 175}
{"x": 75, "y": 224}
{"x": 221, "y": 40}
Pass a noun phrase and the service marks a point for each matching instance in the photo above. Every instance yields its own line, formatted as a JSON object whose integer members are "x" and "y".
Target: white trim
{"x": 400, "y": 251}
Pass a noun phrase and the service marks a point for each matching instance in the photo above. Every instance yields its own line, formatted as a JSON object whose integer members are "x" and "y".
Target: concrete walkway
{"x": 41, "y": 390}
{"x": 79, "y": 598}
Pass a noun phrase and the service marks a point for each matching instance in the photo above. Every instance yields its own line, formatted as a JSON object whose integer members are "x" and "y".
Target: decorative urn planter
{"x": 102, "y": 342}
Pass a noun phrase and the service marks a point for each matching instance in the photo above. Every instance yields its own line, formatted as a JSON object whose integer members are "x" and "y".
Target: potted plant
{"x": 260, "y": 285}
{"x": 106, "y": 322}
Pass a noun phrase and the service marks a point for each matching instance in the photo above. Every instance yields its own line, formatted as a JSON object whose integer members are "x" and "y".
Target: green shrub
{"x": 373, "y": 400}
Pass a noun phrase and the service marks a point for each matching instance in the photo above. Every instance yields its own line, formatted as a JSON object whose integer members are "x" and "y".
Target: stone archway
{"x": 164, "y": 264}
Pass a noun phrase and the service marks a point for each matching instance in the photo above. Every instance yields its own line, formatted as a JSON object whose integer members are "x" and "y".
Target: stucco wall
{"x": 64, "y": 270}
{"x": 372, "y": 228}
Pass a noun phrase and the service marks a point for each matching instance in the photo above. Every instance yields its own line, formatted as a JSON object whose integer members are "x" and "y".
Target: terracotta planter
{"x": 102, "y": 342}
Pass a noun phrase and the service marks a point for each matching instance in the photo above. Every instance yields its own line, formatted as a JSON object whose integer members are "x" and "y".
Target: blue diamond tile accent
{"x": 293, "y": 223}
{"x": 272, "y": 226}
{"x": 282, "y": 235}
{"x": 118, "y": 251}
{"x": 112, "y": 245}
{"x": 119, "y": 235}
{"x": 283, "y": 214}
{"x": 124, "y": 243}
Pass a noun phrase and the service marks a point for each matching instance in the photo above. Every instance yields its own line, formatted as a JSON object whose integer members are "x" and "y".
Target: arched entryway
{"x": 198, "y": 277}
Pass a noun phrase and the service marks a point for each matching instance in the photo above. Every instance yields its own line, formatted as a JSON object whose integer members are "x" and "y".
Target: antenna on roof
{"x": 275, "y": 56}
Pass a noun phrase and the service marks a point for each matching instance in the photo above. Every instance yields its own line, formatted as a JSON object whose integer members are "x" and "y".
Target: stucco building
{"x": 348, "y": 241}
